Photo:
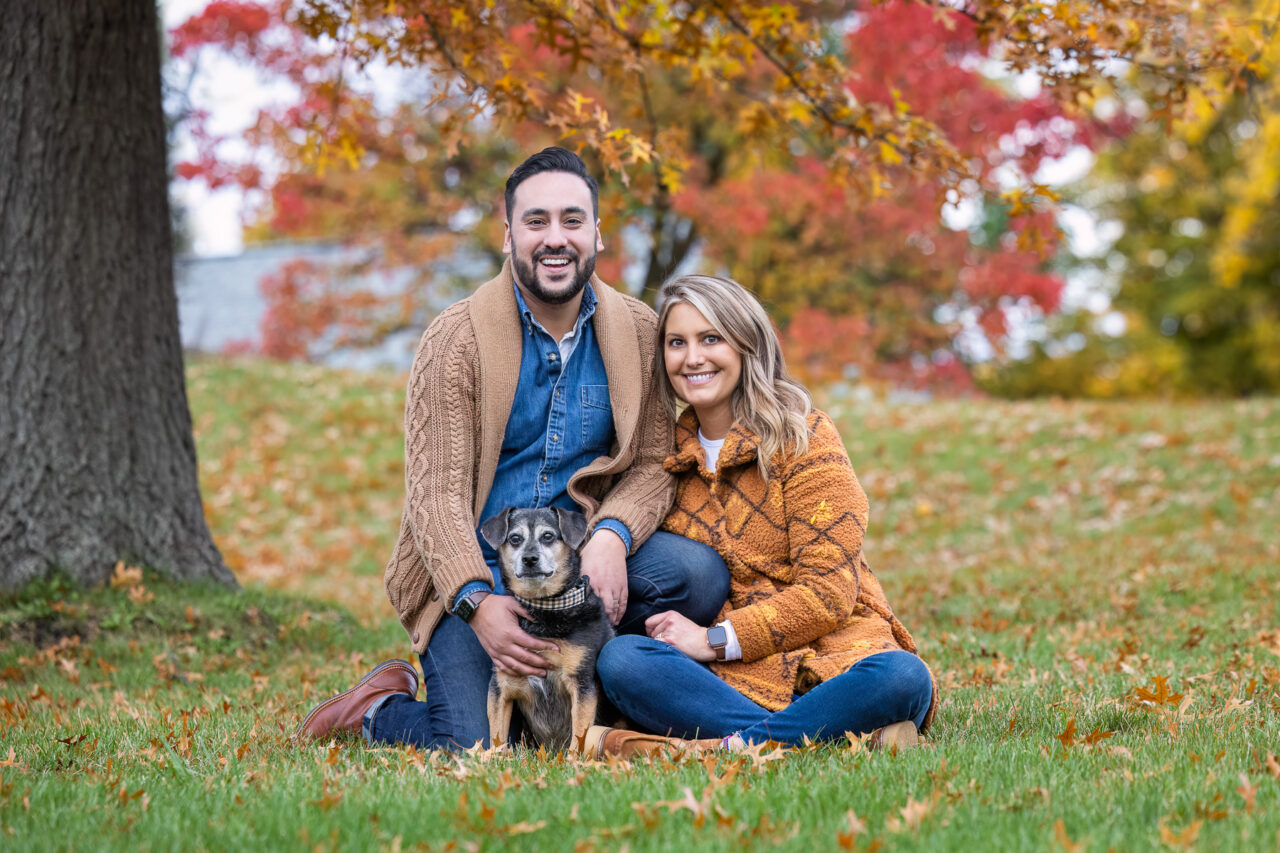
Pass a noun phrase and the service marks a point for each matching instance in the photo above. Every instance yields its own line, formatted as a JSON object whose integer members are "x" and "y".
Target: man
{"x": 537, "y": 390}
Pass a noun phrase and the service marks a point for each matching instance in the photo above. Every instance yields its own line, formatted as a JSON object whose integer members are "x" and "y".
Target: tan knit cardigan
{"x": 461, "y": 390}
{"x": 802, "y": 599}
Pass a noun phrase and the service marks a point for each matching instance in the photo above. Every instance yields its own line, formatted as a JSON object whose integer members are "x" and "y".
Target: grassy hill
{"x": 1094, "y": 584}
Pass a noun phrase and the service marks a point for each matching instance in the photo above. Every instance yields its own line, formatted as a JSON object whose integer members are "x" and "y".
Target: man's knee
{"x": 707, "y": 575}
{"x": 621, "y": 658}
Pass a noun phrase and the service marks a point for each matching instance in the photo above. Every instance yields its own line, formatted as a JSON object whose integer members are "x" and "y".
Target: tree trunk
{"x": 97, "y": 459}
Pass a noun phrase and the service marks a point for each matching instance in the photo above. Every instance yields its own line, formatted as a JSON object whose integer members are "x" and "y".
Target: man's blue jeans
{"x": 667, "y": 572}
{"x": 662, "y": 690}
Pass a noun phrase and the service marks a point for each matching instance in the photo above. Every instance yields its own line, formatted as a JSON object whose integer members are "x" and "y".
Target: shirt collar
{"x": 585, "y": 311}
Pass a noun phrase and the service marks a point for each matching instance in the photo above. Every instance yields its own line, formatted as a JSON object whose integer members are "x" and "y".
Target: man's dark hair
{"x": 552, "y": 159}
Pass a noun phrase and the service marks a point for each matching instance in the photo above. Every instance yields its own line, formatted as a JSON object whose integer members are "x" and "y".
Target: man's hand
{"x": 676, "y": 630}
{"x": 604, "y": 559}
{"x": 513, "y": 650}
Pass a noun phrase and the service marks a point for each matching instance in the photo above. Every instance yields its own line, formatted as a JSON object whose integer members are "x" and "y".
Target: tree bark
{"x": 97, "y": 458}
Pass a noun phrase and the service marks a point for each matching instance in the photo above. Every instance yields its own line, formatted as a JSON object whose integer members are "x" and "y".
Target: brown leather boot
{"x": 894, "y": 736}
{"x": 344, "y": 712}
{"x": 603, "y": 742}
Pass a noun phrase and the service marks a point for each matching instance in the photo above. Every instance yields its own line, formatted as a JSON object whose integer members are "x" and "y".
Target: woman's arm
{"x": 826, "y": 517}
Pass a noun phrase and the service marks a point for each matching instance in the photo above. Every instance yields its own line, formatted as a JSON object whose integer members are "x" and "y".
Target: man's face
{"x": 552, "y": 237}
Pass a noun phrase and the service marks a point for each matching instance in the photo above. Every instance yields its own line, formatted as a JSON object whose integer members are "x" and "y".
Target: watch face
{"x": 717, "y": 637}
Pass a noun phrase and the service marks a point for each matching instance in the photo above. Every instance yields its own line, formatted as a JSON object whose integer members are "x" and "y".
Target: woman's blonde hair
{"x": 767, "y": 401}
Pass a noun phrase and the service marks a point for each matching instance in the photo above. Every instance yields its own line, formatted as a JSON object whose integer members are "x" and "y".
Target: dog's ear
{"x": 573, "y": 527}
{"x": 494, "y": 530}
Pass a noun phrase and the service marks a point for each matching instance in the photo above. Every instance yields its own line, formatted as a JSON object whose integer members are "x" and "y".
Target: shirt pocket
{"x": 597, "y": 418}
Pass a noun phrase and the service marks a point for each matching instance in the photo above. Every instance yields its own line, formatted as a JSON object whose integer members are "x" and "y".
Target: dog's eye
{"x": 515, "y": 539}
{"x": 547, "y": 537}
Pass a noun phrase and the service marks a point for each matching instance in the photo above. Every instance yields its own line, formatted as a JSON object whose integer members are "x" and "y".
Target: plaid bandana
{"x": 572, "y": 597}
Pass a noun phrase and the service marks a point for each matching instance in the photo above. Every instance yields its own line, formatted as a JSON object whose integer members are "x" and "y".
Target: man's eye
{"x": 548, "y": 536}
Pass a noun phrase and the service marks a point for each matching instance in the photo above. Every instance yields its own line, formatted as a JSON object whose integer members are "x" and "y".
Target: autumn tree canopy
{"x": 806, "y": 148}
{"x": 1196, "y": 267}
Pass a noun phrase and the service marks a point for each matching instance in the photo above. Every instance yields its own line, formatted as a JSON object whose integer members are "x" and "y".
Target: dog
{"x": 538, "y": 558}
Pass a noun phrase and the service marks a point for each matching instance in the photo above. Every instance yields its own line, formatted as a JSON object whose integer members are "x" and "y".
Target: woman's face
{"x": 703, "y": 368}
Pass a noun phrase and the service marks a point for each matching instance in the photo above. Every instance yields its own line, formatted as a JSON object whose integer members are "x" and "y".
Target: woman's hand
{"x": 678, "y": 631}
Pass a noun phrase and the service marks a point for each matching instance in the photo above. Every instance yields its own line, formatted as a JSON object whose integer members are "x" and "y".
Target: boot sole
{"x": 299, "y": 732}
{"x": 593, "y": 739}
{"x": 898, "y": 735}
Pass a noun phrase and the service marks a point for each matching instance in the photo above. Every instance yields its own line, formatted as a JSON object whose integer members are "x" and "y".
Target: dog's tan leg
{"x": 583, "y": 715}
{"x": 499, "y": 716}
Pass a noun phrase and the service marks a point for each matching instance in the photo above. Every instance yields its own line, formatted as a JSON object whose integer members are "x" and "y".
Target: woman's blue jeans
{"x": 667, "y": 572}
{"x": 662, "y": 690}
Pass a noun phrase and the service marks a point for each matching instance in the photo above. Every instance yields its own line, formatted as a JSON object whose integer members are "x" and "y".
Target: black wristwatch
{"x": 470, "y": 602}
{"x": 717, "y": 639}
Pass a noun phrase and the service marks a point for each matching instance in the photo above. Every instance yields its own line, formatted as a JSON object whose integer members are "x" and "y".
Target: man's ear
{"x": 573, "y": 527}
{"x": 506, "y": 238}
{"x": 494, "y": 530}
{"x": 599, "y": 238}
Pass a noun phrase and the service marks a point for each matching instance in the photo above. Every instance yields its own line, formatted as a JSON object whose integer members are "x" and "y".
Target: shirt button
{"x": 544, "y": 478}
{"x": 557, "y": 393}
{"x": 555, "y": 437}
{"x": 552, "y": 357}
{"x": 415, "y": 636}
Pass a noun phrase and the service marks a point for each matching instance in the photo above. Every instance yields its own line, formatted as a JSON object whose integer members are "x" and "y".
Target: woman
{"x": 806, "y": 646}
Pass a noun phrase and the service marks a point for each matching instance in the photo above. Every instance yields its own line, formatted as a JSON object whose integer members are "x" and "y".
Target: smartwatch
{"x": 467, "y": 606}
{"x": 717, "y": 639}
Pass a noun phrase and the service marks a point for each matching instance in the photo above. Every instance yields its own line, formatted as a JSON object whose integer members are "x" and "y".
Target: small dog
{"x": 538, "y": 557}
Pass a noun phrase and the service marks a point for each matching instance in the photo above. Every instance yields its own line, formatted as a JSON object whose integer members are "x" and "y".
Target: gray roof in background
{"x": 219, "y": 304}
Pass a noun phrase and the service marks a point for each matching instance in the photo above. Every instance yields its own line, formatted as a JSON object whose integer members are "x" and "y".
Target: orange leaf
{"x": 1248, "y": 792}
{"x": 1096, "y": 736}
{"x": 1185, "y": 838}
{"x": 856, "y": 827}
{"x": 1060, "y": 835}
{"x": 1068, "y": 736}
{"x": 1161, "y": 695}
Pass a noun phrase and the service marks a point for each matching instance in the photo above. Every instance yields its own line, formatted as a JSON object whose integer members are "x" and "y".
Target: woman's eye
{"x": 711, "y": 339}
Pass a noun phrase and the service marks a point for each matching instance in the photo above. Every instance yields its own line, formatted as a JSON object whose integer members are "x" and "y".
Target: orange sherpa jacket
{"x": 802, "y": 599}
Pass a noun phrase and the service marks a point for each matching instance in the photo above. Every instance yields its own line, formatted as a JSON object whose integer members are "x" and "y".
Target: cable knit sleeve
{"x": 643, "y": 493}
{"x": 441, "y": 425}
{"x": 825, "y": 517}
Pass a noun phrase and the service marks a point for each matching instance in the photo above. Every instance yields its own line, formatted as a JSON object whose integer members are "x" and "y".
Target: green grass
{"x": 1053, "y": 560}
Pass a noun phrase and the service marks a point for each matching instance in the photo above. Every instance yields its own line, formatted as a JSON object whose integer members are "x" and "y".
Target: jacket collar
{"x": 740, "y": 446}
{"x": 495, "y": 317}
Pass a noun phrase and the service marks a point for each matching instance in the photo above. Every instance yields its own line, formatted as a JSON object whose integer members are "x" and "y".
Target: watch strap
{"x": 718, "y": 640}
{"x": 470, "y": 602}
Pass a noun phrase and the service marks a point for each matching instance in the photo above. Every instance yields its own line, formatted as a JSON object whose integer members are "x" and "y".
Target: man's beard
{"x": 527, "y": 275}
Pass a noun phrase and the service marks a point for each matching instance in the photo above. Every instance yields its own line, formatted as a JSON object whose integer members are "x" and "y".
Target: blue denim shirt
{"x": 560, "y": 421}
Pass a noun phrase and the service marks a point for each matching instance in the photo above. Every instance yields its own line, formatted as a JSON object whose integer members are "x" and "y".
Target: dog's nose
{"x": 530, "y": 560}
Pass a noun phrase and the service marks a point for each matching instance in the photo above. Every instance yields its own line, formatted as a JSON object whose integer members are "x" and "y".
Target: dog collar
{"x": 572, "y": 597}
